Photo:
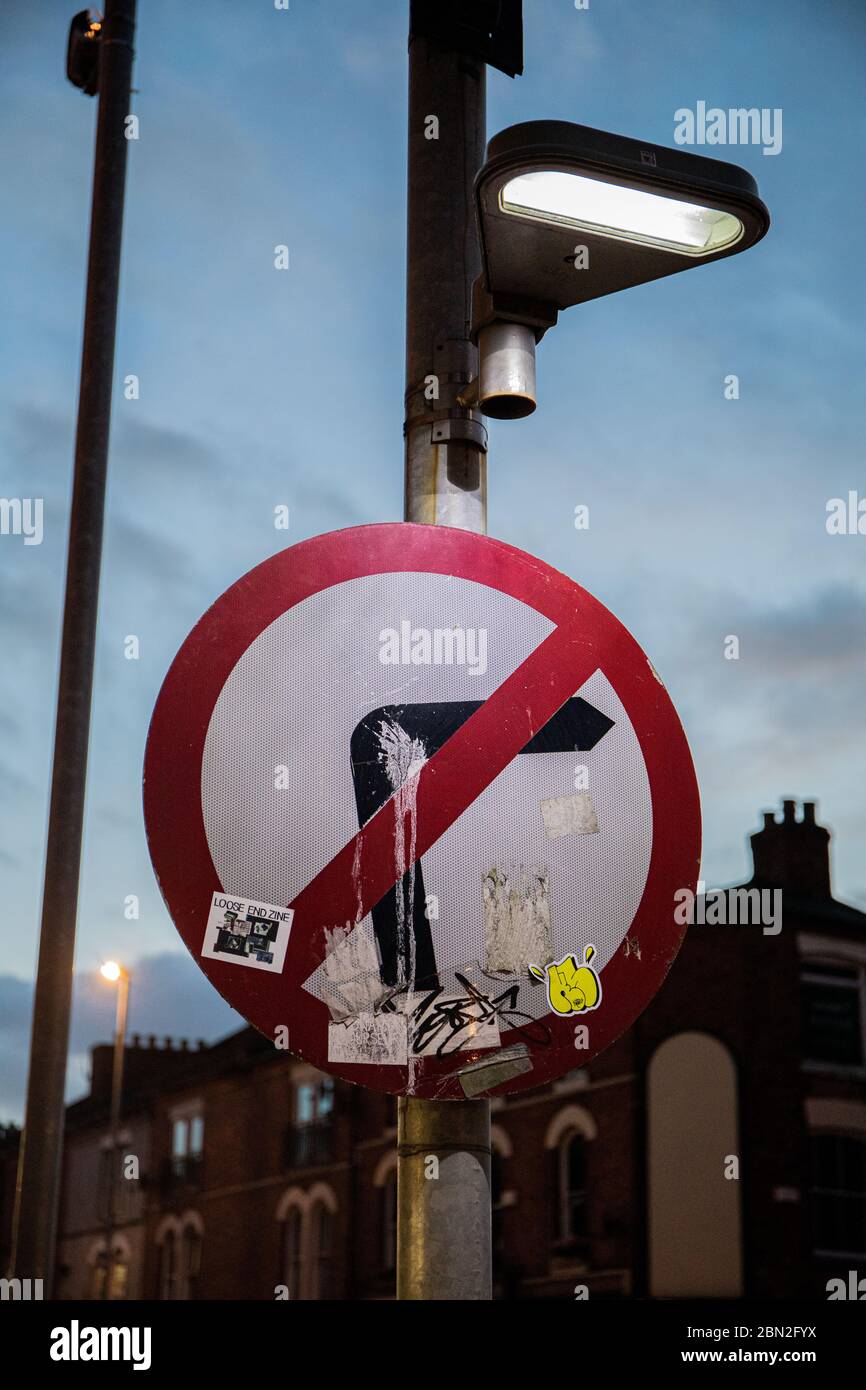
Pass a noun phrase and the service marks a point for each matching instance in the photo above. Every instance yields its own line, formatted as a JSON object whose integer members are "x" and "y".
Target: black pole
{"x": 38, "y": 1188}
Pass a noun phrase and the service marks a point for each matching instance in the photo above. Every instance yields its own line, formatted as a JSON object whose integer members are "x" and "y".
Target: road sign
{"x": 419, "y": 806}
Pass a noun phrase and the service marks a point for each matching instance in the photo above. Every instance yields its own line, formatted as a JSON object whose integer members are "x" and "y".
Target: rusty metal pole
{"x": 443, "y": 1164}
{"x": 39, "y": 1170}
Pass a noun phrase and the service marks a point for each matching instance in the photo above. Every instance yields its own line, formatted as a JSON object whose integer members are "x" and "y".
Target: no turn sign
{"x": 419, "y": 805}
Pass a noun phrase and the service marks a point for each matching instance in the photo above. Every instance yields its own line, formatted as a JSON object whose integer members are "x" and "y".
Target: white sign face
{"x": 281, "y": 805}
{"x": 462, "y": 785}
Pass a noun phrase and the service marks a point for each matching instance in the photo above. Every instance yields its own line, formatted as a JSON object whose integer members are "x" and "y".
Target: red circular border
{"x": 172, "y": 784}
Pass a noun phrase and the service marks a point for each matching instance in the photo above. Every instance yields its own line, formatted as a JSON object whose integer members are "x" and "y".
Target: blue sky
{"x": 260, "y": 388}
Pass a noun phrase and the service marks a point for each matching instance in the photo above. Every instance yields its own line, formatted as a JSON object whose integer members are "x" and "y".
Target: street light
{"x": 567, "y": 214}
{"x": 115, "y": 974}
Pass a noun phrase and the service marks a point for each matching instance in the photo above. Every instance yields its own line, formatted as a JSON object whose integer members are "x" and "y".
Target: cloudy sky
{"x": 707, "y": 516}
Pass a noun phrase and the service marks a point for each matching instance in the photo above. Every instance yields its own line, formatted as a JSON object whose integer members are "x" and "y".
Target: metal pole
{"x": 443, "y": 1207}
{"x": 37, "y": 1195}
{"x": 116, "y": 1093}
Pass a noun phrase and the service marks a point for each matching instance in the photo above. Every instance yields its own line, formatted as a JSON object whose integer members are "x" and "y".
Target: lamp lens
{"x": 610, "y": 209}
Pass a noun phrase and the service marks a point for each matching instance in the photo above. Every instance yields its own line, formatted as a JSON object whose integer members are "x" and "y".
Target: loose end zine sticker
{"x": 246, "y": 933}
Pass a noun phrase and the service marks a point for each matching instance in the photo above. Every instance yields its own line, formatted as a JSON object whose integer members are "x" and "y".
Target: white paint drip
{"x": 356, "y": 879}
{"x": 516, "y": 920}
{"x": 403, "y": 758}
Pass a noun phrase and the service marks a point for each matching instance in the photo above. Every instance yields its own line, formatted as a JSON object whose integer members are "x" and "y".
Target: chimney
{"x": 792, "y": 854}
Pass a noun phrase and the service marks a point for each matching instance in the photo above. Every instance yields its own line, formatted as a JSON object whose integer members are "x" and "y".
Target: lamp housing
{"x": 567, "y": 214}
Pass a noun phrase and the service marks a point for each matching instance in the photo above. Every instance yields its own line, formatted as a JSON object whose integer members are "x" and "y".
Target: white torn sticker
{"x": 516, "y": 920}
{"x": 569, "y": 815}
{"x": 372, "y": 1039}
{"x": 352, "y": 971}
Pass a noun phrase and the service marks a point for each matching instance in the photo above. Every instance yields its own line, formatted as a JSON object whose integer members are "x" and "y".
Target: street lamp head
{"x": 567, "y": 214}
{"x": 82, "y": 52}
{"x": 111, "y": 971}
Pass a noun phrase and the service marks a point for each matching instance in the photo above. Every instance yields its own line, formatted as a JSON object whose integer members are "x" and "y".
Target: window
{"x": 307, "y": 1218}
{"x": 322, "y": 1253}
{"x": 291, "y": 1252}
{"x": 191, "y": 1261}
{"x": 838, "y": 1195}
{"x": 572, "y": 1187}
{"x": 833, "y": 1013}
{"x": 196, "y": 1136}
{"x": 314, "y": 1101}
{"x": 180, "y": 1246}
{"x": 187, "y": 1144}
{"x": 168, "y": 1267}
{"x": 119, "y": 1284}
{"x": 310, "y": 1137}
{"x": 187, "y": 1136}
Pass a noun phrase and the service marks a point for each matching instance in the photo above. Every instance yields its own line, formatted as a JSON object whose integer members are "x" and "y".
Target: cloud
{"x": 168, "y": 993}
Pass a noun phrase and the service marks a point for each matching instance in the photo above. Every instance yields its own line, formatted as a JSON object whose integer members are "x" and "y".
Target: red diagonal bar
{"x": 365, "y": 869}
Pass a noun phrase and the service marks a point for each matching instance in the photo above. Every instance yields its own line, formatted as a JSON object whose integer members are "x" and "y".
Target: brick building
{"x": 718, "y": 1149}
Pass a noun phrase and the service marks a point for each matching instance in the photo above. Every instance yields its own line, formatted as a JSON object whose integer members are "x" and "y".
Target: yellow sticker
{"x": 571, "y": 988}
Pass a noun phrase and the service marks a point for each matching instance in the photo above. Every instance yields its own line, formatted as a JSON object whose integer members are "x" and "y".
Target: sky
{"x": 261, "y": 127}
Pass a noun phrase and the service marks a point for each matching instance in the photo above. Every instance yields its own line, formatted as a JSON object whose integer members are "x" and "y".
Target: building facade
{"x": 718, "y": 1149}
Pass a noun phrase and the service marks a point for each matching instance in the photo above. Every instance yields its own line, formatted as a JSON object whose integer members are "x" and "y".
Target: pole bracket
{"x": 448, "y": 427}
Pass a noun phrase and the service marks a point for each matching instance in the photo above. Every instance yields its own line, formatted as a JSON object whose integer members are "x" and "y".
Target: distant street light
{"x": 567, "y": 214}
{"x": 114, "y": 973}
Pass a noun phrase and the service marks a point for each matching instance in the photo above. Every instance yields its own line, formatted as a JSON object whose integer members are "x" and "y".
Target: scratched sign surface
{"x": 419, "y": 806}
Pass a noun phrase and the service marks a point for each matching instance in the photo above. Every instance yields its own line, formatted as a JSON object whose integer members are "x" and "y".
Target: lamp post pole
{"x": 443, "y": 1207}
{"x": 114, "y": 1124}
{"x": 38, "y": 1185}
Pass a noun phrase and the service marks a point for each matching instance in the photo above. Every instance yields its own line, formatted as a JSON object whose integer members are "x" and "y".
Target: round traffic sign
{"x": 419, "y": 807}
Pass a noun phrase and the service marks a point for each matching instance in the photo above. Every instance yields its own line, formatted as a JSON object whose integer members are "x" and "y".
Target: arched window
{"x": 190, "y": 1260}
{"x": 322, "y": 1252}
{"x": 838, "y": 1195}
{"x": 168, "y": 1266}
{"x": 567, "y": 1135}
{"x": 291, "y": 1252}
{"x": 120, "y": 1262}
{"x": 571, "y": 1172}
{"x": 180, "y": 1242}
{"x": 307, "y": 1238}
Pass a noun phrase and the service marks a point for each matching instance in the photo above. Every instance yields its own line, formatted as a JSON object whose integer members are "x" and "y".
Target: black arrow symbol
{"x": 577, "y": 727}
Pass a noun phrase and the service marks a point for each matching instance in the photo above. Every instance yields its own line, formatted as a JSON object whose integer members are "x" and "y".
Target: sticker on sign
{"x": 252, "y": 934}
{"x": 457, "y": 775}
